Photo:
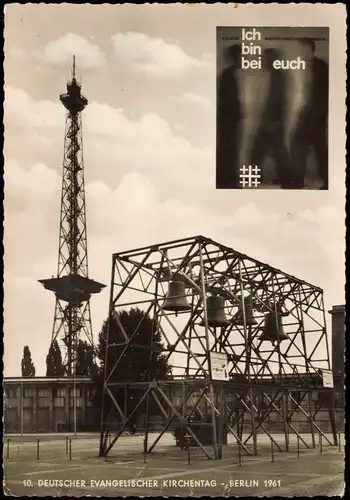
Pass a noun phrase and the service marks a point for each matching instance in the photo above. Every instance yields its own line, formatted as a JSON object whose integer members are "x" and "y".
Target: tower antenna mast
{"x": 72, "y": 286}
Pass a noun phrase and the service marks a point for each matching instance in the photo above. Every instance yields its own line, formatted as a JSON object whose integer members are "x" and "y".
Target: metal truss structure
{"x": 72, "y": 286}
{"x": 268, "y": 326}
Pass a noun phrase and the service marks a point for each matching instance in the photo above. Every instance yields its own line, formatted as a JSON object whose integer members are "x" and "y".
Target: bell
{"x": 280, "y": 310}
{"x": 216, "y": 312}
{"x": 249, "y": 314}
{"x": 176, "y": 297}
{"x": 273, "y": 330}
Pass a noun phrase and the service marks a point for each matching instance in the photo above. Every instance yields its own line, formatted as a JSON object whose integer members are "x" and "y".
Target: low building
{"x": 338, "y": 361}
{"x": 49, "y": 404}
{"x": 338, "y": 352}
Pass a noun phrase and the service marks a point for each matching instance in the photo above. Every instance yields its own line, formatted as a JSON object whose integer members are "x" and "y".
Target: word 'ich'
{"x": 251, "y": 36}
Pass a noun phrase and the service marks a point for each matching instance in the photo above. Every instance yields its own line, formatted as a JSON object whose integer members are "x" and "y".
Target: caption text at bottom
{"x": 148, "y": 483}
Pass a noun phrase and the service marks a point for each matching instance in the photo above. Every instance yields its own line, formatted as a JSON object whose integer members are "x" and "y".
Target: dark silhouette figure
{"x": 229, "y": 115}
{"x": 311, "y": 129}
{"x": 270, "y": 136}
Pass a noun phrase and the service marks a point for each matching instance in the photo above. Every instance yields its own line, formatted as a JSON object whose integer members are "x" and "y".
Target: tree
{"x": 28, "y": 368}
{"x": 54, "y": 365}
{"x": 86, "y": 364}
{"x": 136, "y": 364}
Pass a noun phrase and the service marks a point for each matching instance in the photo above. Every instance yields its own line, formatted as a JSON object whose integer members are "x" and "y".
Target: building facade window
{"x": 44, "y": 402}
{"x": 77, "y": 392}
{"x": 60, "y": 392}
{"x": 90, "y": 392}
{"x": 44, "y": 392}
{"x": 59, "y": 402}
{"x": 28, "y": 392}
{"x": 11, "y": 393}
{"x": 79, "y": 402}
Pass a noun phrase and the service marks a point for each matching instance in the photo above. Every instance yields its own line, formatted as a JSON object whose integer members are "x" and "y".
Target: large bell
{"x": 216, "y": 311}
{"x": 176, "y": 297}
{"x": 249, "y": 313}
{"x": 279, "y": 308}
{"x": 273, "y": 328}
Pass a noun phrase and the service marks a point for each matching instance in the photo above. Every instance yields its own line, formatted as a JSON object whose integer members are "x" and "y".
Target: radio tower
{"x": 72, "y": 286}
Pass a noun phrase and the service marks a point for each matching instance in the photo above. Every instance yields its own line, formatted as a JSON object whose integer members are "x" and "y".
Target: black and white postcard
{"x": 174, "y": 250}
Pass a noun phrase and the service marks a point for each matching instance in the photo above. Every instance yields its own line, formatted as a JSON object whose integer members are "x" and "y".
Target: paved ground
{"x": 166, "y": 471}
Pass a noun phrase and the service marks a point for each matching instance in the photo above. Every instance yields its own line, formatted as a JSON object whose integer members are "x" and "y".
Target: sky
{"x": 149, "y": 73}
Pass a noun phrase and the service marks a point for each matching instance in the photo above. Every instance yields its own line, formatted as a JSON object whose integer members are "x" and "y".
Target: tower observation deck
{"x": 72, "y": 286}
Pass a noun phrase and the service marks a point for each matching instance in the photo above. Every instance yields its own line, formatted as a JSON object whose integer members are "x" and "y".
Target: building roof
{"x": 47, "y": 380}
{"x": 337, "y": 309}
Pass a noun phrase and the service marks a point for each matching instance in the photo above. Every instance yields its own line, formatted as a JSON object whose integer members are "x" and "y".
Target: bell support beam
{"x": 205, "y": 298}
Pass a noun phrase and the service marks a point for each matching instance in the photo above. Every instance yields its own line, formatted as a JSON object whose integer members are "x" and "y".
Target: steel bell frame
{"x": 264, "y": 378}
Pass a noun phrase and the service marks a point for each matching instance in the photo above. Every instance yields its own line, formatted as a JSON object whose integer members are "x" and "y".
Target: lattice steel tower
{"x": 72, "y": 286}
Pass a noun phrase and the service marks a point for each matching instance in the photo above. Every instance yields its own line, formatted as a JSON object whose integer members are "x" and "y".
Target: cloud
{"x": 17, "y": 52}
{"x": 33, "y": 129}
{"x": 154, "y": 56}
{"x": 115, "y": 144}
{"x": 20, "y": 109}
{"x": 178, "y": 127}
{"x": 195, "y": 99}
{"x": 61, "y": 51}
{"x": 37, "y": 185}
{"x": 135, "y": 213}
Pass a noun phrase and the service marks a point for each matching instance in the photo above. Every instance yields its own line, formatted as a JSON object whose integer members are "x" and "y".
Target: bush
{"x": 202, "y": 430}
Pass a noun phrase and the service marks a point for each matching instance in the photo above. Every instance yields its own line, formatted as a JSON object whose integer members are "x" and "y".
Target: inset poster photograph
{"x": 272, "y": 108}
